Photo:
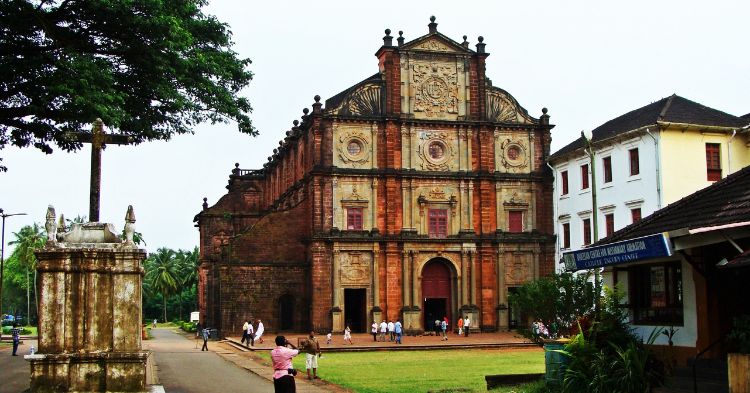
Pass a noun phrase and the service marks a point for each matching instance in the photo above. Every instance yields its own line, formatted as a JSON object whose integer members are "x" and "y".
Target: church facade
{"x": 419, "y": 193}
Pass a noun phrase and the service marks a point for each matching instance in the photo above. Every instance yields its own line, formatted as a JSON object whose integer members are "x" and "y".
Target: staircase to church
{"x": 711, "y": 377}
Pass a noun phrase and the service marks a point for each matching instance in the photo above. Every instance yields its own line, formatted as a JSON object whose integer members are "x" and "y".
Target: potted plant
{"x": 739, "y": 362}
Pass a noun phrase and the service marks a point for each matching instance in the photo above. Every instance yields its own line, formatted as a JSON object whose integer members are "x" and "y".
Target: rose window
{"x": 354, "y": 148}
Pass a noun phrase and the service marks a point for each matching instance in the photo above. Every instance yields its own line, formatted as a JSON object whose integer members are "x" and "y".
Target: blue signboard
{"x": 633, "y": 250}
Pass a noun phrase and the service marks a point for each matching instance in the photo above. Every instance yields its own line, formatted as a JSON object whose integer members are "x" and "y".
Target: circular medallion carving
{"x": 436, "y": 150}
{"x": 354, "y": 148}
{"x": 513, "y": 154}
{"x": 435, "y": 88}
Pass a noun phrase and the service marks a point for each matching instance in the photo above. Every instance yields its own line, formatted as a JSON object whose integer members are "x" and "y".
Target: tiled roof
{"x": 725, "y": 202}
{"x": 673, "y": 109}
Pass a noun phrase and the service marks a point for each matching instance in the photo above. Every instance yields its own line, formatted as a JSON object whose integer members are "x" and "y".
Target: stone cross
{"x": 98, "y": 139}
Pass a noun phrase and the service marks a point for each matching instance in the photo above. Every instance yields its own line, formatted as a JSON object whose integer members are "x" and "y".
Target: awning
{"x": 626, "y": 251}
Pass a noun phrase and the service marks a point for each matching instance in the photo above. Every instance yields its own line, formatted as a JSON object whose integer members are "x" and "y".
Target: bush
{"x": 24, "y": 331}
{"x": 189, "y": 327}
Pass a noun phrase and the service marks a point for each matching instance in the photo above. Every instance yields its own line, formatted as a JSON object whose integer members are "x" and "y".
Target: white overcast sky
{"x": 587, "y": 61}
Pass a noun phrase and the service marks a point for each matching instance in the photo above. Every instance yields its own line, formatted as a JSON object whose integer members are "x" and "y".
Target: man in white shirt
{"x": 250, "y": 334}
{"x": 383, "y": 330}
{"x": 391, "y": 328}
{"x": 244, "y": 332}
{"x": 467, "y": 323}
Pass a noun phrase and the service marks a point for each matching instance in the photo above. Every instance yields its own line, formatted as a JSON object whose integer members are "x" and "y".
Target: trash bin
{"x": 555, "y": 362}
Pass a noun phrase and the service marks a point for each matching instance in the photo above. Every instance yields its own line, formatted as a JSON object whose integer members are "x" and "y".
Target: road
{"x": 14, "y": 371}
{"x": 183, "y": 368}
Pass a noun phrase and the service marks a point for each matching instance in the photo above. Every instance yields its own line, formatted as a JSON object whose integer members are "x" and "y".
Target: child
{"x": 348, "y": 335}
{"x": 328, "y": 338}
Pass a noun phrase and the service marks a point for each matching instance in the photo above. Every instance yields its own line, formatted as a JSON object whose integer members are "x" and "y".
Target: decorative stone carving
{"x": 50, "y": 225}
{"x": 435, "y": 89}
{"x": 503, "y": 108}
{"x": 514, "y": 155}
{"x": 437, "y": 193}
{"x": 436, "y": 152}
{"x": 354, "y": 148}
{"x": 518, "y": 268}
{"x": 434, "y": 46}
{"x": 516, "y": 200}
{"x": 355, "y": 268}
{"x": 129, "y": 226}
{"x": 363, "y": 101}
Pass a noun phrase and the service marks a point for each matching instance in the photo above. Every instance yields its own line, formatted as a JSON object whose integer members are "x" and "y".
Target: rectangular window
{"x": 656, "y": 294}
{"x": 607, "y": 164}
{"x": 586, "y": 231}
{"x": 713, "y": 161}
{"x": 354, "y": 218}
{"x": 566, "y": 235}
{"x": 636, "y": 214}
{"x": 635, "y": 165}
{"x": 584, "y": 176}
{"x": 564, "y": 181}
{"x": 609, "y": 219}
{"x": 438, "y": 223}
{"x": 515, "y": 221}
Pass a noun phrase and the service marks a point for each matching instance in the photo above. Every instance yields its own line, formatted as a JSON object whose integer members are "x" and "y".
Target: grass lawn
{"x": 422, "y": 371}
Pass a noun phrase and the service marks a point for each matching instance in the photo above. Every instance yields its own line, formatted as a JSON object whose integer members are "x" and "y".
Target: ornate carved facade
{"x": 418, "y": 193}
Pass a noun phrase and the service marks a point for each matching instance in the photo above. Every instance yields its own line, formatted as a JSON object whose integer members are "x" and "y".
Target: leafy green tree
{"x": 187, "y": 262}
{"x": 28, "y": 239}
{"x": 558, "y": 300}
{"x": 162, "y": 275}
{"x": 149, "y": 68}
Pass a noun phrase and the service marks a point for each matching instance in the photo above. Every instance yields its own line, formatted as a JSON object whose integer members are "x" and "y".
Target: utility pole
{"x": 2, "y": 259}
{"x": 589, "y": 149}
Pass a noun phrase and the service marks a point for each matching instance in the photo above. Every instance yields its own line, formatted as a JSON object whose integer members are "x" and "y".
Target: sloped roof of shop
{"x": 724, "y": 203}
{"x": 672, "y": 109}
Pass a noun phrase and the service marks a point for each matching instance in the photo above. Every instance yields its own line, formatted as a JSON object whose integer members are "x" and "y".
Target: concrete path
{"x": 14, "y": 371}
{"x": 183, "y": 367}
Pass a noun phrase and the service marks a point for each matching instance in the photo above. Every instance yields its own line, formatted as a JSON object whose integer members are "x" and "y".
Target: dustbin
{"x": 555, "y": 362}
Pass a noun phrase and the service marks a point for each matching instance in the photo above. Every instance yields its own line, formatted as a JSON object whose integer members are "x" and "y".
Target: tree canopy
{"x": 148, "y": 68}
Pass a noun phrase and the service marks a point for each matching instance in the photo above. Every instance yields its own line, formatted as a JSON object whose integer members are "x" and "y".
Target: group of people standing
{"x": 442, "y": 326}
{"x": 250, "y": 334}
{"x": 393, "y": 330}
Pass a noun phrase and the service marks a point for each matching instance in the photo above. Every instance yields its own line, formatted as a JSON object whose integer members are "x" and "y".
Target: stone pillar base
{"x": 502, "y": 319}
{"x": 377, "y": 316}
{"x": 412, "y": 320}
{"x": 337, "y": 320}
{"x": 89, "y": 372}
{"x": 472, "y": 311}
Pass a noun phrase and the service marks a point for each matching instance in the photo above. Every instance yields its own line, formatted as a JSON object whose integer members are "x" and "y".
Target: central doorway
{"x": 436, "y": 292}
{"x": 355, "y": 313}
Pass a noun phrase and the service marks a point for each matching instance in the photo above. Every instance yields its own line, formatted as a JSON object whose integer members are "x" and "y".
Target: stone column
{"x": 474, "y": 275}
{"x": 374, "y": 143}
{"x": 90, "y": 315}
{"x": 462, "y": 217}
{"x": 415, "y": 303}
{"x": 412, "y": 207}
{"x": 502, "y": 298}
{"x": 376, "y": 310}
{"x": 374, "y": 205}
{"x": 405, "y": 216}
{"x": 471, "y": 206}
{"x": 461, "y": 155}
{"x": 464, "y": 279}
{"x": 337, "y": 316}
{"x": 405, "y": 278}
{"x": 334, "y": 186}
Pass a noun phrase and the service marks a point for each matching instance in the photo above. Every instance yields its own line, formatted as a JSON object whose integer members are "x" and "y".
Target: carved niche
{"x": 436, "y": 151}
{"x": 354, "y": 148}
{"x": 355, "y": 268}
{"x": 365, "y": 100}
{"x": 435, "y": 88}
{"x": 513, "y": 155}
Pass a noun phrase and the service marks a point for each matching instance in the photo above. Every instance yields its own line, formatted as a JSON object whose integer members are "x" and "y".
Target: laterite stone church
{"x": 418, "y": 193}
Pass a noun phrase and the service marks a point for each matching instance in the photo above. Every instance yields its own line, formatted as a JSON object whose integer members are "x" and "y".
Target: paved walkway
{"x": 183, "y": 368}
{"x": 14, "y": 371}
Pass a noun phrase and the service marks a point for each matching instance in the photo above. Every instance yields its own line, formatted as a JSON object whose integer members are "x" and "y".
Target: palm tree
{"x": 28, "y": 239}
{"x": 162, "y": 274}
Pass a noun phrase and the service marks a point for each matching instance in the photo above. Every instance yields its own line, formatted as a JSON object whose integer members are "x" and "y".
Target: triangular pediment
{"x": 435, "y": 42}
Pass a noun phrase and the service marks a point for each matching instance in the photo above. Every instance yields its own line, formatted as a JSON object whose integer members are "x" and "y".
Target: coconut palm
{"x": 28, "y": 239}
{"x": 162, "y": 274}
{"x": 187, "y": 262}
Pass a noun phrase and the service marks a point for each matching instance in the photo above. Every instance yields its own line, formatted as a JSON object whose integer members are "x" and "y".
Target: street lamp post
{"x": 2, "y": 258}
{"x": 589, "y": 149}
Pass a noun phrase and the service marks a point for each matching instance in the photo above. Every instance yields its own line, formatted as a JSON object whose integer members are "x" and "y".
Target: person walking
{"x": 467, "y": 324}
{"x": 206, "y": 334}
{"x": 348, "y": 335}
{"x": 312, "y": 353}
{"x": 259, "y": 332}
{"x": 283, "y": 371}
{"x": 444, "y": 329}
{"x": 437, "y": 327}
{"x": 460, "y": 325}
{"x": 244, "y": 332}
{"x": 374, "y": 331}
{"x": 399, "y": 331}
{"x": 391, "y": 334}
{"x": 15, "y": 332}
{"x": 383, "y": 329}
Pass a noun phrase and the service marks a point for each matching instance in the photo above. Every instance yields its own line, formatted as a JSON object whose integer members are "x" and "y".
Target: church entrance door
{"x": 286, "y": 312}
{"x": 436, "y": 292}
{"x": 355, "y": 313}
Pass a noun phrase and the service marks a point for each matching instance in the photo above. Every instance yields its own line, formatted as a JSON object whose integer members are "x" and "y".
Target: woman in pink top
{"x": 283, "y": 371}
